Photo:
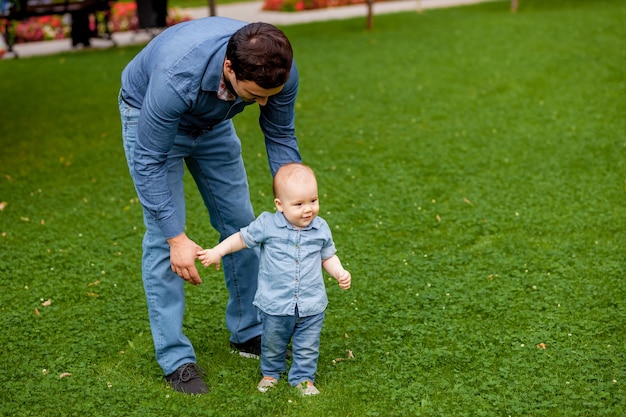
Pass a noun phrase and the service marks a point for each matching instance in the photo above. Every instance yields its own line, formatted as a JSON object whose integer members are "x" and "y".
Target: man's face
{"x": 248, "y": 90}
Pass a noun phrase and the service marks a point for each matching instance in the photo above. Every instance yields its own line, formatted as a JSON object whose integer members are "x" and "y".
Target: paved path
{"x": 249, "y": 12}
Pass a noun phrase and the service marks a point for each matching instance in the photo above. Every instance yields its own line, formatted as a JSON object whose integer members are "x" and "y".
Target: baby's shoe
{"x": 307, "y": 388}
{"x": 266, "y": 383}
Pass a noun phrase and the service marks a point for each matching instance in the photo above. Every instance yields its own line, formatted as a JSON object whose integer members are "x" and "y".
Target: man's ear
{"x": 278, "y": 204}
{"x": 228, "y": 67}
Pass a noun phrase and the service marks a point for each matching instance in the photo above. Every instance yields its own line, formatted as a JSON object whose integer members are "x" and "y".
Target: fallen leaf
{"x": 349, "y": 356}
{"x": 64, "y": 374}
{"x": 37, "y": 312}
{"x": 91, "y": 284}
{"x": 541, "y": 346}
{"x": 47, "y": 303}
{"x": 3, "y": 204}
{"x": 438, "y": 217}
{"x": 465, "y": 200}
{"x": 346, "y": 335}
{"x": 93, "y": 294}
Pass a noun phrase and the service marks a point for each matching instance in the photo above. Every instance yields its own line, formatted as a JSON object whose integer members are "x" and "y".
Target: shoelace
{"x": 191, "y": 371}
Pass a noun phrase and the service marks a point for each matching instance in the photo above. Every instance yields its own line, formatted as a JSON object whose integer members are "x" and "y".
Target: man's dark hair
{"x": 261, "y": 53}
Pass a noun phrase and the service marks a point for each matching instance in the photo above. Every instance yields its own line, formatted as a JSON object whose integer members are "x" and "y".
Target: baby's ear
{"x": 278, "y": 204}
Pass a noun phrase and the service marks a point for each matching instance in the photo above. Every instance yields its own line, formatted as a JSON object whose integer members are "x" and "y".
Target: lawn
{"x": 471, "y": 164}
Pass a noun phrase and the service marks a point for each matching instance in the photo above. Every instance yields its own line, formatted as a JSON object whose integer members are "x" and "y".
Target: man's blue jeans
{"x": 215, "y": 162}
{"x": 304, "y": 334}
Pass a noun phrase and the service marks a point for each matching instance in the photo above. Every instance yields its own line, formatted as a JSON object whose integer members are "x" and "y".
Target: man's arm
{"x": 277, "y": 121}
{"x": 156, "y": 131}
{"x": 157, "y": 126}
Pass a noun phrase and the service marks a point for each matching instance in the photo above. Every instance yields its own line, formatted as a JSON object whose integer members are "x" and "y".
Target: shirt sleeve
{"x": 328, "y": 249}
{"x": 277, "y": 121}
{"x": 254, "y": 234}
{"x": 161, "y": 110}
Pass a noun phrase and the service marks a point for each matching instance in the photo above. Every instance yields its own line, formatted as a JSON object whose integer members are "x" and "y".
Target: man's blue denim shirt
{"x": 174, "y": 81}
{"x": 290, "y": 271}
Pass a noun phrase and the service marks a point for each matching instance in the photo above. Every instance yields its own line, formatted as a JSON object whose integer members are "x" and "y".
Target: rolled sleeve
{"x": 254, "y": 234}
{"x": 277, "y": 121}
{"x": 157, "y": 128}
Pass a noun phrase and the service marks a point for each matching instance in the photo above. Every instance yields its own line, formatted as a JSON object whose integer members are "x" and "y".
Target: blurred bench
{"x": 14, "y": 10}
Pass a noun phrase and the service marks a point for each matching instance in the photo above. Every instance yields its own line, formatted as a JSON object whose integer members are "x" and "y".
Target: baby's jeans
{"x": 304, "y": 333}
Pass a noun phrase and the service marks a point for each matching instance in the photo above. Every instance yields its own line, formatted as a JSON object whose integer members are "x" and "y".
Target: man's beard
{"x": 229, "y": 87}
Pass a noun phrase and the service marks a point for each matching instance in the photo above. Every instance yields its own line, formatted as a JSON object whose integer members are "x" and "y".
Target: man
{"x": 177, "y": 99}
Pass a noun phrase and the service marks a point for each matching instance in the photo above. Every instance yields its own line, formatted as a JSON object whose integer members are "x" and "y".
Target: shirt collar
{"x": 281, "y": 221}
{"x": 223, "y": 93}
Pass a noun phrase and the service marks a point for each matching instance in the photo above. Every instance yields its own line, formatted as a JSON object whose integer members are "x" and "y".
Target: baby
{"x": 291, "y": 297}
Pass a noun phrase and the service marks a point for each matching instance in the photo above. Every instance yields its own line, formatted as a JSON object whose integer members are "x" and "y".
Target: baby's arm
{"x": 232, "y": 243}
{"x": 333, "y": 266}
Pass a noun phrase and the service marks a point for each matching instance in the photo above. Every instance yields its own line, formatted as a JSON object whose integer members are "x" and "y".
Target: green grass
{"x": 471, "y": 164}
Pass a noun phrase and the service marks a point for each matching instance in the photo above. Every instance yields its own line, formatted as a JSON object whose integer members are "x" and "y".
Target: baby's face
{"x": 299, "y": 202}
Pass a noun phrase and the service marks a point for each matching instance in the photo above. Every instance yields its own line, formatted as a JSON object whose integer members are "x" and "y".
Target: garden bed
{"x": 299, "y": 5}
{"x": 121, "y": 17}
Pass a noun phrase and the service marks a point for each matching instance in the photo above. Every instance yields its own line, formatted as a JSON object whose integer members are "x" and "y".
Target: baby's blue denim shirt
{"x": 290, "y": 271}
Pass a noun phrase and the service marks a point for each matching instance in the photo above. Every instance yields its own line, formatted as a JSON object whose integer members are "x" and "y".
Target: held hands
{"x": 210, "y": 257}
{"x": 183, "y": 253}
{"x": 232, "y": 243}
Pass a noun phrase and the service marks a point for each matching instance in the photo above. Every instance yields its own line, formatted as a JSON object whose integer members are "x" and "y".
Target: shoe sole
{"x": 246, "y": 355}
{"x": 265, "y": 389}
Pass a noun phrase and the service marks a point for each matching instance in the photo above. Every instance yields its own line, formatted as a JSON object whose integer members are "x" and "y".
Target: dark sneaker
{"x": 250, "y": 349}
{"x": 186, "y": 379}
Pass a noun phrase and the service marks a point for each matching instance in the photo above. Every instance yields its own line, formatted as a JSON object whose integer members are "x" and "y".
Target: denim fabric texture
{"x": 304, "y": 334}
{"x": 172, "y": 117}
{"x": 214, "y": 160}
{"x": 290, "y": 271}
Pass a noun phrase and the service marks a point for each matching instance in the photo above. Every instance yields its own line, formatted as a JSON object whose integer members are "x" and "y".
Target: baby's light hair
{"x": 291, "y": 171}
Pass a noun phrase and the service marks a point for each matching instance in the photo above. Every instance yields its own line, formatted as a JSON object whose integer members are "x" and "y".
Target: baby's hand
{"x": 210, "y": 257}
{"x": 344, "y": 279}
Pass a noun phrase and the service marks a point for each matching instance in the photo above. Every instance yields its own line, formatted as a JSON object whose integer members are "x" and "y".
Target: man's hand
{"x": 183, "y": 252}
